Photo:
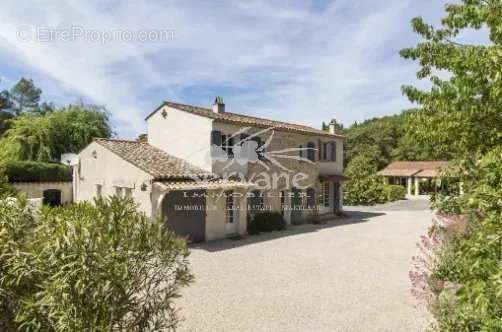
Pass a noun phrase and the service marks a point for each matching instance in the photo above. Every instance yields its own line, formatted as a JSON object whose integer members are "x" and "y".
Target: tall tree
{"x": 5, "y": 102}
{"x": 46, "y": 137}
{"x": 462, "y": 114}
{"x": 25, "y": 97}
{"x": 5, "y": 116}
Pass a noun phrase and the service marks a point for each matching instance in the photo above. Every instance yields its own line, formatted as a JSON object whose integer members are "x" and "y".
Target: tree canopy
{"x": 461, "y": 114}
{"x": 24, "y": 97}
{"x": 46, "y": 137}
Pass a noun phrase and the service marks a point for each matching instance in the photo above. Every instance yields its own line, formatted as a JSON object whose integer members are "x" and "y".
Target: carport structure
{"x": 416, "y": 176}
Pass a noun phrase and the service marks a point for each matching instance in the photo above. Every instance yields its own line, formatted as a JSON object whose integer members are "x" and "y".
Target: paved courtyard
{"x": 347, "y": 275}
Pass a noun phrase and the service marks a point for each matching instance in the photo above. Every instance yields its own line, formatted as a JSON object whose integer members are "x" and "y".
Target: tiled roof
{"x": 157, "y": 163}
{"x": 205, "y": 184}
{"x": 245, "y": 120}
{"x": 427, "y": 169}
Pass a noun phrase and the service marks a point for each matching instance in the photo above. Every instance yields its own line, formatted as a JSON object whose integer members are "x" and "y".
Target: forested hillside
{"x": 386, "y": 139}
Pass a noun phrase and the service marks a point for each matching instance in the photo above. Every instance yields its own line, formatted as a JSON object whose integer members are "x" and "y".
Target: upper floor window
{"x": 325, "y": 151}
{"x": 259, "y": 148}
{"x": 311, "y": 151}
{"x": 333, "y": 151}
{"x": 227, "y": 144}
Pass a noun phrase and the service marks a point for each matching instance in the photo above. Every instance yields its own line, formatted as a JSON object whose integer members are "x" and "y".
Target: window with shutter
{"x": 216, "y": 137}
{"x": 325, "y": 151}
{"x": 333, "y": 151}
{"x": 230, "y": 147}
{"x": 244, "y": 138}
{"x": 259, "y": 143}
{"x": 319, "y": 155}
{"x": 311, "y": 151}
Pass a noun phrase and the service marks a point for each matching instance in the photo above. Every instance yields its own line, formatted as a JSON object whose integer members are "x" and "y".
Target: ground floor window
{"x": 311, "y": 198}
{"x": 283, "y": 202}
{"x": 99, "y": 191}
{"x": 256, "y": 202}
{"x": 230, "y": 207}
{"x": 325, "y": 194}
{"x": 123, "y": 192}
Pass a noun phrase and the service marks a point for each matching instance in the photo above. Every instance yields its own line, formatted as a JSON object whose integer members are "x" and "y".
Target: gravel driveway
{"x": 347, "y": 275}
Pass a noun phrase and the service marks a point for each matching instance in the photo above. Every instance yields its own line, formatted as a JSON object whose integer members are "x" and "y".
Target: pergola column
{"x": 408, "y": 185}
{"x": 417, "y": 186}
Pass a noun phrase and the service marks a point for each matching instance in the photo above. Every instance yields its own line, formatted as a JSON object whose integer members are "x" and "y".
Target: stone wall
{"x": 305, "y": 174}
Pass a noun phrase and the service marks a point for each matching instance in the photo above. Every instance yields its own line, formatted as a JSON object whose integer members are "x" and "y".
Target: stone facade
{"x": 299, "y": 173}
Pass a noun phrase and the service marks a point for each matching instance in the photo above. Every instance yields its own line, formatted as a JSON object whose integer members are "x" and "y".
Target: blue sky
{"x": 297, "y": 61}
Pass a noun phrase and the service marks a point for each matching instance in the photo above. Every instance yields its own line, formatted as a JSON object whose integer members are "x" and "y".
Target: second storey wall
{"x": 181, "y": 134}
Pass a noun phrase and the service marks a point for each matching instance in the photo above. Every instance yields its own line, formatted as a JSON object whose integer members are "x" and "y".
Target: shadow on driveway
{"x": 352, "y": 217}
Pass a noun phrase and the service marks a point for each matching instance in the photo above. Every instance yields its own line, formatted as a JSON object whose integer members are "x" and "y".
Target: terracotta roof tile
{"x": 203, "y": 184}
{"x": 157, "y": 163}
{"x": 414, "y": 168}
{"x": 246, "y": 120}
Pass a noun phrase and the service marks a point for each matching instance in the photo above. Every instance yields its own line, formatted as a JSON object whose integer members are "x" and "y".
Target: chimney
{"x": 332, "y": 127}
{"x": 219, "y": 105}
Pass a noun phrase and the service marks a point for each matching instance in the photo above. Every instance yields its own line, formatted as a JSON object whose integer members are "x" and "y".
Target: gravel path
{"x": 348, "y": 275}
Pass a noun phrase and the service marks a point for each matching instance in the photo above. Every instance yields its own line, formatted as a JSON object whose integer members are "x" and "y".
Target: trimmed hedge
{"x": 266, "y": 222}
{"x": 33, "y": 171}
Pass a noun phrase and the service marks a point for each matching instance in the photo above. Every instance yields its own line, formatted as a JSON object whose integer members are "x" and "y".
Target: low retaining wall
{"x": 36, "y": 189}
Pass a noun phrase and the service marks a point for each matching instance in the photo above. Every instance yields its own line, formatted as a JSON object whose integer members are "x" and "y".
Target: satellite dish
{"x": 70, "y": 159}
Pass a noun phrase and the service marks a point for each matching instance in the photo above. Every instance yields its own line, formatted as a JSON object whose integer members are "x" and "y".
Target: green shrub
{"x": 365, "y": 187}
{"x": 5, "y": 188}
{"x": 102, "y": 267}
{"x": 392, "y": 192}
{"x": 465, "y": 274}
{"x": 32, "y": 171}
{"x": 266, "y": 222}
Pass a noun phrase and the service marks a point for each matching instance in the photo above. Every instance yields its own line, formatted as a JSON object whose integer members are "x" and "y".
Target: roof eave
{"x": 155, "y": 111}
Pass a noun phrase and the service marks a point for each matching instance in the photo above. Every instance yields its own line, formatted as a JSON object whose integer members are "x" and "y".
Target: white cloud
{"x": 296, "y": 61}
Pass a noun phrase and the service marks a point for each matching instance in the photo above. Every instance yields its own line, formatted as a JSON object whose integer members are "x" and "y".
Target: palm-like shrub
{"x": 101, "y": 267}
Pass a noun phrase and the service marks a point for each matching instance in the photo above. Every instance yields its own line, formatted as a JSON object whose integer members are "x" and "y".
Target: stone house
{"x": 206, "y": 170}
